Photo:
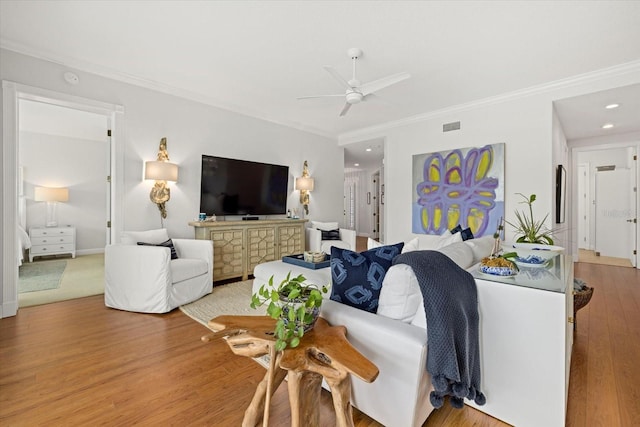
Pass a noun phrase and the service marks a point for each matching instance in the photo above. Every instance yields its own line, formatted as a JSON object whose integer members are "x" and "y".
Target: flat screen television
{"x": 241, "y": 187}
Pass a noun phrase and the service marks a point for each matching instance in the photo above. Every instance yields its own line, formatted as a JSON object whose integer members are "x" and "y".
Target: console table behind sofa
{"x": 238, "y": 246}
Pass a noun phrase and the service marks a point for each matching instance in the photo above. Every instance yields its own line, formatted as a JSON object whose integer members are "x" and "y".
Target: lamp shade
{"x": 161, "y": 171}
{"x": 304, "y": 183}
{"x": 49, "y": 194}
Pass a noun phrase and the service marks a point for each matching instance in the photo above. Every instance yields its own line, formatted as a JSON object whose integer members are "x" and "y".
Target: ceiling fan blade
{"x": 345, "y": 109}
{"x": 320, "y": 96}
{"x": 338, "y": 77}
{"x": 376, "y": 85}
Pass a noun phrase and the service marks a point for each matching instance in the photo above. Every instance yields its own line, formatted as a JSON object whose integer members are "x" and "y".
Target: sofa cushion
{"x": 357, "y": 277}
{"x": 411, "y": 245}
{"x": 166, "y": 244}
{"x": 447, "y": 238}
{"x": 326, "y": 226}
{"x": 150, "y": 236}
{"x": 400, "y": 295}
{"x": 460, "y": 253}
{"x": 187, "y": 268}
{"x": 481, "y": 247}
{"x": 326, "y": 246}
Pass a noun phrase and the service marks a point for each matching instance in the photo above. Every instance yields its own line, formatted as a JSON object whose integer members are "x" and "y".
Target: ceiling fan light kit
{"x": 355, "y": 91}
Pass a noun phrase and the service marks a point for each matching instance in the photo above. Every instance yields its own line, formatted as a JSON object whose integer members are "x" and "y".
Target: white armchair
{"x": 315, "y": 243}
{"x": 145, "y": 278}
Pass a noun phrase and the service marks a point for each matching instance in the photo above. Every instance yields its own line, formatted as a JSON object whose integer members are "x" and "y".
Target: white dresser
{"x": 52, "y": 241}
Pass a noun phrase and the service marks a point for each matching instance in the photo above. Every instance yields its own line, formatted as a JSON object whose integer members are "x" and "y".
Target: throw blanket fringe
{"x": 451, "y": 306}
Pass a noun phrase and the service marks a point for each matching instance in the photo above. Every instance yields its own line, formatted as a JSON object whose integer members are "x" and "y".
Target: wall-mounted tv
{"x": 241, "y": 187}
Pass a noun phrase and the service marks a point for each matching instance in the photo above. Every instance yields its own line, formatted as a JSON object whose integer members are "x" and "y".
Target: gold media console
{"x": 238, "y": 246}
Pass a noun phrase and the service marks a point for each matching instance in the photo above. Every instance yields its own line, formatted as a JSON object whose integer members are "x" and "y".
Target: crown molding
{"x": 155, "y": 86}
{"x": 373, "y": 131}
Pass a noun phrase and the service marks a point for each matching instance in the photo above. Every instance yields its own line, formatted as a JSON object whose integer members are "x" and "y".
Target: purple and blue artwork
{"x": 463, "y": 186}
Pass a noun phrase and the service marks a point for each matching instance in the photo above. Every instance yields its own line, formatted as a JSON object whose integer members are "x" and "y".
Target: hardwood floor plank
{"x": 80, "y": 363}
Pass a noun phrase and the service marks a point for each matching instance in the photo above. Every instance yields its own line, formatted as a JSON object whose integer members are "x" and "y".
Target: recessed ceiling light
{"x": 607, "y": 126}
{"x": 368, "y": 149}
{"x": 356, "y": 164}
{"x": 611, "y": 106}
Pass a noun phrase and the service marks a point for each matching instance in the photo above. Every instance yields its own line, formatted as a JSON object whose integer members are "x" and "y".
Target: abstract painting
{"x": 463, "y": 186}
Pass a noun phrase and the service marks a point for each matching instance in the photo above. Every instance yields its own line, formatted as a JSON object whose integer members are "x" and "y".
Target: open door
{"x": 616, "y": 213}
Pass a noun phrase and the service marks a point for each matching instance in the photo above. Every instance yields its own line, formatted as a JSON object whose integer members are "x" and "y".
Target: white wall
{"x": 521, "y": 124}
{"x": 80, "y": 165}
{"x": 192, "y": 129}
{"x": 523, "y": 121}
{"x": 561, "y": 235}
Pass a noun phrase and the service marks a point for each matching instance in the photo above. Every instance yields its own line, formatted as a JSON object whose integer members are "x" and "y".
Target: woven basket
{"x": 581, "y": 298}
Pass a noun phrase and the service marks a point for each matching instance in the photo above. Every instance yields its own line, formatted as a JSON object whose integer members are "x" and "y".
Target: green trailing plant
{"x": 528, "y": 230}
{"x": 294, "y": 304}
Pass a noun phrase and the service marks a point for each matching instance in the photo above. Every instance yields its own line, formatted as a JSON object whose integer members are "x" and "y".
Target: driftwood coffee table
{"x": 323, "y": 352}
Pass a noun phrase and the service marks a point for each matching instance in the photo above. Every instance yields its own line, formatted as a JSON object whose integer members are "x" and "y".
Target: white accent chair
{"x": 145, "y": 279}
{"x": 316, "y": 244}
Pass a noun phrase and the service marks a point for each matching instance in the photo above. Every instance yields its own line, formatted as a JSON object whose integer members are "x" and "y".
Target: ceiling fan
{"x": 355, "y": 91}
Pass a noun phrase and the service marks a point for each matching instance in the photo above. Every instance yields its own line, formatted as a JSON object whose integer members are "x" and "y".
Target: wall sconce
{"x": 51, "y": 196}
{"x": 304, "y": 184}
{"x": 161, "y": 171}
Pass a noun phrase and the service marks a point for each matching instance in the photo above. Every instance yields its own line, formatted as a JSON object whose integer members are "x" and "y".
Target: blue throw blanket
{"x": 451, "y": 306}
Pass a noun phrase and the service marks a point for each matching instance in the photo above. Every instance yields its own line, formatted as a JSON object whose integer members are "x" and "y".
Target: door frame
{"x": 635, "y": 145}
{"x": 11, "y": 94}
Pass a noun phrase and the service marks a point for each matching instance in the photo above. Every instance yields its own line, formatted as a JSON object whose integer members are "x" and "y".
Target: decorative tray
{"x": 298, "y": 259}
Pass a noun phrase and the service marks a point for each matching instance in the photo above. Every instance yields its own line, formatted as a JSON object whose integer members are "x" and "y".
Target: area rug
{"x": 40, "y": 276}
{"x": 233, "y": 298}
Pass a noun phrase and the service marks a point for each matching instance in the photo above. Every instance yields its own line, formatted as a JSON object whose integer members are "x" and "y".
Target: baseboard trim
{"x": 90, "y": 251}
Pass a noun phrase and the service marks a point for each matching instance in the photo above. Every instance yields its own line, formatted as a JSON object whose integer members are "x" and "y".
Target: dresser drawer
{"x": 52, "y": 240}
{"x": 52, "y": 248}
{"x": 54, "y": 231}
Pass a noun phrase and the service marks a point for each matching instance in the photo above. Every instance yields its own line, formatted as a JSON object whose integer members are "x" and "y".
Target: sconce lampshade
{"x": 161, "y": 171}
{"x": 304, "y": 183}
{"x": 48, "y": 194}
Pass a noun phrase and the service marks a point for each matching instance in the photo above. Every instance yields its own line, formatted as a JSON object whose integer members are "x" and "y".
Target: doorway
{"x": 62, "y": 149}
{"x": 606, "y": 206}
{"x": 13, "y": 94}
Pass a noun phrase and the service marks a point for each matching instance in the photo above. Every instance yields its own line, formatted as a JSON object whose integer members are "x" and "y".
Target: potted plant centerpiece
{"x": 529, "y": 230}
{"x": 294, "y": 304}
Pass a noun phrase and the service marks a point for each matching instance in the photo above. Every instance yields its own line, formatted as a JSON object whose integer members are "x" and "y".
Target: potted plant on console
{"x": 294, "y": 304}
{"x": 528, "y": 230}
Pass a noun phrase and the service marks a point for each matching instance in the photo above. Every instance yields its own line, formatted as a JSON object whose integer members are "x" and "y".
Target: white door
{"x": 615, "y": 211}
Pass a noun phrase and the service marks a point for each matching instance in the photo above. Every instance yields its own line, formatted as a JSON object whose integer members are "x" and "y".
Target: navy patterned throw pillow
{"x": 357, "y": 276}
{"x": 330, "y": 235}
{"x": 466, "y": 234}
{"x": 167, "y": 244}
{"x": 456, "y": 229}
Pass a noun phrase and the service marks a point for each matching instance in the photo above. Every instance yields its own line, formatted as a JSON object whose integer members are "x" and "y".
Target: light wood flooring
{"x": 77, "y": 363}
{"x": 585, "y": 255}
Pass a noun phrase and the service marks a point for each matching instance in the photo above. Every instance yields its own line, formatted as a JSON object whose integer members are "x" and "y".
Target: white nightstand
{"x": 52, "y": 241}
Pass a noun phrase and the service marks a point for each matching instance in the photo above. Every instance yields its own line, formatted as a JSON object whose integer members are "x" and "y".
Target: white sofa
{"x": 399, "y": 397}
{"x": 145, "y": 279}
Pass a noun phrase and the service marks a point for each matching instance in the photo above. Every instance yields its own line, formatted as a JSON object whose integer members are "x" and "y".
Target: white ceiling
{"x": 257, "y": 57}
